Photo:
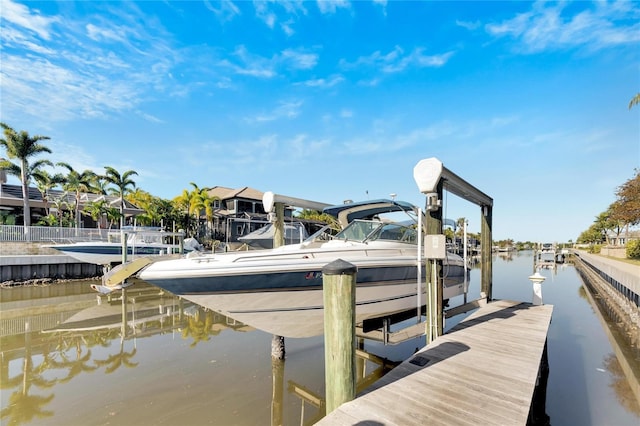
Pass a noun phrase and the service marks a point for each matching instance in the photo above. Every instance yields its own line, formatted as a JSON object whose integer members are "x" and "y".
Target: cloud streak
{"x": 552, "y": 26}
{"x": 60, "y": 69}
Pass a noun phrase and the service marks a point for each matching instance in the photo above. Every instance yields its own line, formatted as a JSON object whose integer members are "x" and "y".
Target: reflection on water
{"x": 150, "y": 357}
{"x": 131, "y": 358}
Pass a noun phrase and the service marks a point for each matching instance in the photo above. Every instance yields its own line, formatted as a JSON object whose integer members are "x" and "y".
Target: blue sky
{"x": 336, "y": 100}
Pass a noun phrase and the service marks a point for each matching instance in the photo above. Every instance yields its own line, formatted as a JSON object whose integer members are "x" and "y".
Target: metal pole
{"x": 123, "y": 235}
{"x": 465, "y": 260}
{"x": 420, "y": 260}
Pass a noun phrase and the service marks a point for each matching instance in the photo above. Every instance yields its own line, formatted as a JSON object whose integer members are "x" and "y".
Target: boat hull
{"x": 290, "y": 303}
{"x": 108, "y": 253}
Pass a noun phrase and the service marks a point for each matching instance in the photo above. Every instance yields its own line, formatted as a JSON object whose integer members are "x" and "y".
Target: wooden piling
{"x": 339, "y": 293}
{"x": 278, "y": 350}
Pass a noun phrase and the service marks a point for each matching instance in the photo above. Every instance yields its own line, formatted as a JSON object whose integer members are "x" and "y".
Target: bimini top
{"x": 345, "y": 213}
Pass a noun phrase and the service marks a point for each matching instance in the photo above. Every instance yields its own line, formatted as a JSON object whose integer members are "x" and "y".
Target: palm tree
{"x": 634, "y": 101}
{"x": 45, "y": 182}
{"x": 61, "y": 205}
{"x": 78, "y": 183}
{"x": 96, "y": 209}
{"x": 121, "y": 185}
{"x": 320, "y": 217}
{"x": 22, "y": 147}
{"x": 202, "y": 200}
{"x": 144, "y": 201}
{"x": 113, "y": 215}
{"x": 185, "y": 203}
{"x": 196, "y": 203}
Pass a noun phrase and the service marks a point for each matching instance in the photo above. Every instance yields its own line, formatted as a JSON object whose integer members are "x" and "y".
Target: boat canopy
{"x": 263, "y": 237}
{"x": 346, "y": 213}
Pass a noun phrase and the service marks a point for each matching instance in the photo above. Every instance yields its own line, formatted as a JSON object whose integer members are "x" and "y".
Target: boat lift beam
{"x": 432, "y": 178}
{"x": 269, "y": 199}
{"x": 430, "y": 171}
{"x": 274, "y": 203}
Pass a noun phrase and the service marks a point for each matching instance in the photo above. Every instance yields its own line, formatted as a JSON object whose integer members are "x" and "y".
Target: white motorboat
{"x": 289, "y": 278}
{"x": 141, "y": 242}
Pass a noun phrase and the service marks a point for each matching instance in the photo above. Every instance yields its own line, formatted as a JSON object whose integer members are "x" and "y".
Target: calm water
{"x": 175, "y": 363}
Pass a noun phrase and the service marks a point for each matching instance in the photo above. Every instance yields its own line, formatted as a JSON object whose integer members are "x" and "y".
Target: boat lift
{"x": 432, "y": 179}
{"x": 274, "y": 206}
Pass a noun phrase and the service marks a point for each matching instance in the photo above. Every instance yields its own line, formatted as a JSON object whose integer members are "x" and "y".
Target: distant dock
{"x": 484, "y": 371}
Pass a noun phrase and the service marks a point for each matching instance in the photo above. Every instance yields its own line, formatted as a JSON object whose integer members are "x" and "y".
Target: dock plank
{"x": 483, "y": 371}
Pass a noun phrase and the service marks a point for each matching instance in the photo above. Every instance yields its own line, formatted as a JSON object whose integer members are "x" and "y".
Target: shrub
{"x": 633, "y": 249}
{"x": 595, "y": 248}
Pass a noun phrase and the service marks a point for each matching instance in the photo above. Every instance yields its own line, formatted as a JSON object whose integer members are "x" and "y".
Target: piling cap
{"x": 339, "y": 267}
{"x": 537, "y": 277}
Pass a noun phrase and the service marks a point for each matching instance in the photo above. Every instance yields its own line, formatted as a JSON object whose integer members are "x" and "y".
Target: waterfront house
{"x": 55, "y": 201}
{"x": 236, "y": 212}
{"x": 622, "y": 238}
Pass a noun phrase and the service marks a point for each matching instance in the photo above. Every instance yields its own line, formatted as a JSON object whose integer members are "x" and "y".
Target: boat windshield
{"x": 366, "y": 230}
{"x": 326, "y": 233}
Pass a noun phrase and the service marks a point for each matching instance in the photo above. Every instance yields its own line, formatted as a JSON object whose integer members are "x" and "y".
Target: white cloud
{"x": 468, "y": 25}
{"x": 331, "y": 6}
{"x": 383, "y": 5}
{"x": 397, "y": 60}
{"x": 89, "y": 68}
{"x": 265, "y": 11}
{"x": 324, "y": 82}
{"x": 285, "y": 110}
{"x": 298, "y": 59}
{"x": 96, "y": 33}
{"x": 225, "y": 11}
{"x": 557, "y": 26}
{"x": 30, "y": 19}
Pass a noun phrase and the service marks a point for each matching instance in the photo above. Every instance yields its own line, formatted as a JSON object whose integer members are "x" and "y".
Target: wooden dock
{"x": 484, "y": 371}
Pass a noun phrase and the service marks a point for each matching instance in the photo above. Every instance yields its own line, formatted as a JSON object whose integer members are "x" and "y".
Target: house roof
{"x": 11, "y": 195}
{"x": 246, "y": 193}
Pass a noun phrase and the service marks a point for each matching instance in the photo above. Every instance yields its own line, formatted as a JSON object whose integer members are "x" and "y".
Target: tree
{"x": 96, "y": 209}
{"x": 196, "y": 204}
{"x": 590, "y": 236}
{"x": 122, "y": 184}
{"x": 78, "y": 183}
{"x": 22, "y": 147}
{"x": 320, "y": 217}
{"x": 113, "y": 215}
{"x": 634, "y": 101}
{"x": 182, "y": 203}
{"x": 45, "y": 182}
{"x": 61, "y": 205}
{"x": 627, "y": 205}
{"x": 191, "y": 203}
{"x": 202, "y": 201}
{"x": 604, "y": 223}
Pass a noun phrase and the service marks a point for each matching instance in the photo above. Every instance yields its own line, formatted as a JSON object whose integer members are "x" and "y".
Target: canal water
{"x": 68, "y": 360}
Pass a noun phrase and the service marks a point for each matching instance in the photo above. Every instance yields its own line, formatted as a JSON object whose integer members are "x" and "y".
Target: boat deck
{"x": 484, "y": 371}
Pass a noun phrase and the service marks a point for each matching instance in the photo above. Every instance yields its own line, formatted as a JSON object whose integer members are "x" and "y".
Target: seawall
{"x": 21, "y": 262}
{"x": 618, "y": 287}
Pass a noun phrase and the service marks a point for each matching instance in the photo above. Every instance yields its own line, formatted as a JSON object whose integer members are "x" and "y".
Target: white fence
{"x": 18, "y": 233}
